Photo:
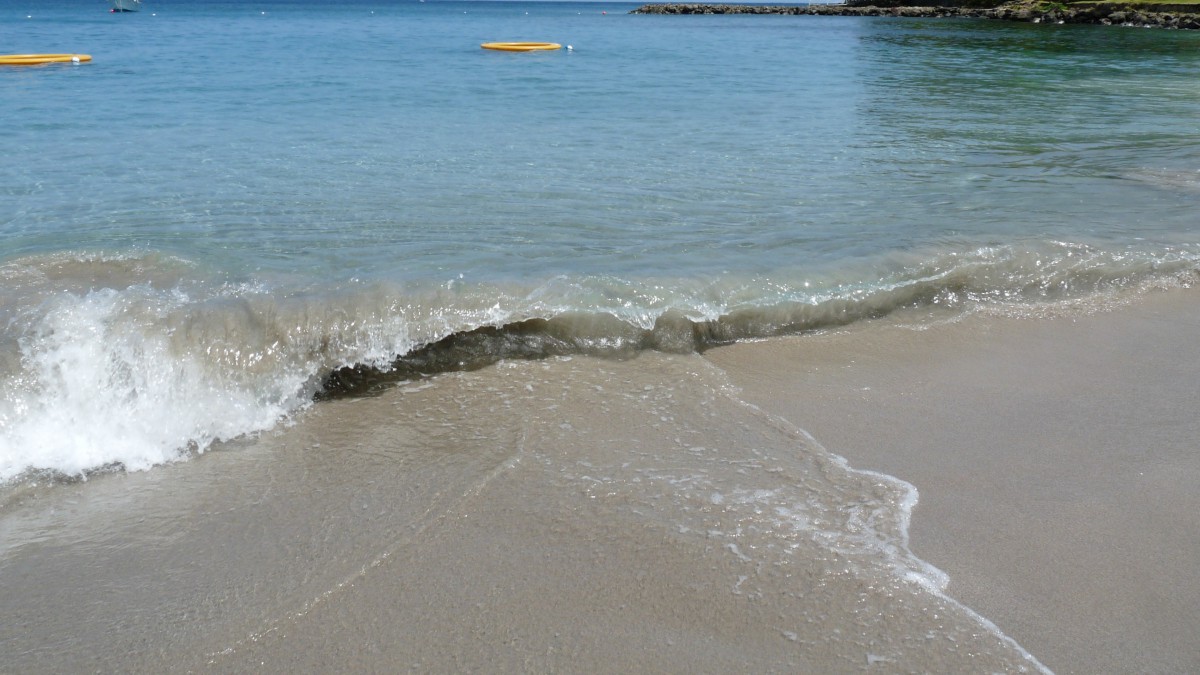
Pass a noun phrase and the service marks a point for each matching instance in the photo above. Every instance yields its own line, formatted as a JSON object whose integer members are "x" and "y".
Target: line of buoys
{"x": 35, "y": 59}
{"x": 521, "y": 46}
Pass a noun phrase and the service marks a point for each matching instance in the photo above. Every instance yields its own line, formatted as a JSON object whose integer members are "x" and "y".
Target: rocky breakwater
{"x": 1147, "y": 15}
{"x": 810, "y": 10}
{"x": 1103, "y": 13}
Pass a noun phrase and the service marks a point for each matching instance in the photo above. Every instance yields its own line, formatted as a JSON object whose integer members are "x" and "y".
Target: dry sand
{"x": 1057, "y": 462}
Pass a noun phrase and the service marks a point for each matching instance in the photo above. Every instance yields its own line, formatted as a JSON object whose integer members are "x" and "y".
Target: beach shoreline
{"x": 1055, "y": 459}
{"x": 599, "y": 515}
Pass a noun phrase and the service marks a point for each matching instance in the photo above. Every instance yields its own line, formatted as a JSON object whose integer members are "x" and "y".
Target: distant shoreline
{"x": 1108, "y": 14}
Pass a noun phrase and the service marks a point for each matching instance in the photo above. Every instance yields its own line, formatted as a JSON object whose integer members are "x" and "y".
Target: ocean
{"x": 251, "y": 241}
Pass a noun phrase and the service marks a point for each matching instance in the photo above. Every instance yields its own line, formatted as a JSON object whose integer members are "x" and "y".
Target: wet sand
{"x": 589, "y": 515}
{"x": 568, "y": 515}
{"x": 1057, "y": 463}
{"x": 635, "y": 527}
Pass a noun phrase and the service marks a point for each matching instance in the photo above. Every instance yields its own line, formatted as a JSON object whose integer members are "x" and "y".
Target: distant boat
{"x": 126, "y": 5}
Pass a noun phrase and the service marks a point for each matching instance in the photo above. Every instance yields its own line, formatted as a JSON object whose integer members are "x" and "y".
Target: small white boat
{"x": 126, "y": 5}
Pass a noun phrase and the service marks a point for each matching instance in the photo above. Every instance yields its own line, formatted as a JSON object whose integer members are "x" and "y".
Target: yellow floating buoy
{"x": 521, "y": 46}
{"x": 35, "y": 59}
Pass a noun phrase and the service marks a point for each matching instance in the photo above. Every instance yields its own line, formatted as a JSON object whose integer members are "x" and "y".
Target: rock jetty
{"x": 1108, "y": 14}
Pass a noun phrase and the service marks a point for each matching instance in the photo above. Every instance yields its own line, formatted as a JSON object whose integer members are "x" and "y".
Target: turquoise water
{"x": 234, "y": 200}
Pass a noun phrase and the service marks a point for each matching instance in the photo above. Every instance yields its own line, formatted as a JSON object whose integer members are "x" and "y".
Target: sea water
{"x": 238, "y": 211}
{"x": 233, "y": 200}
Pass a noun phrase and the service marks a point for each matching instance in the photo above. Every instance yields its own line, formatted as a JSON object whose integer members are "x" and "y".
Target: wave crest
{"x": 161, "y": 363}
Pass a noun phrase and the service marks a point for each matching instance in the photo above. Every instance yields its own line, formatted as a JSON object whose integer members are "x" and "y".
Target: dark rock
{"x": 1100, "y": 13}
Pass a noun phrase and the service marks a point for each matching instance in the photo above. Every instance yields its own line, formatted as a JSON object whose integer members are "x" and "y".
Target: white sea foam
{"x": 879, "y": 531}
{"x": 101, "y": 386}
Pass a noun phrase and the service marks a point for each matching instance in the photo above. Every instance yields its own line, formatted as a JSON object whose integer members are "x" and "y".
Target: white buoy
{"x": 570, "y": 48}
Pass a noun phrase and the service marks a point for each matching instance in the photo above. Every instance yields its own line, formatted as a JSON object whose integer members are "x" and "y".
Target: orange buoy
{"x": 521, "y": 46}
{"x": 36, "y": 59}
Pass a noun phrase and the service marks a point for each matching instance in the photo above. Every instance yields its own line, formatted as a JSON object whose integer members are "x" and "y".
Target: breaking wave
{"x": 125, "y": 362}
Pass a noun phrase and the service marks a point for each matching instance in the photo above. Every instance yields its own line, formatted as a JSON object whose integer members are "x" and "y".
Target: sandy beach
{"x": 1057, "y": 462}
{"x": 596, "y": 515}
